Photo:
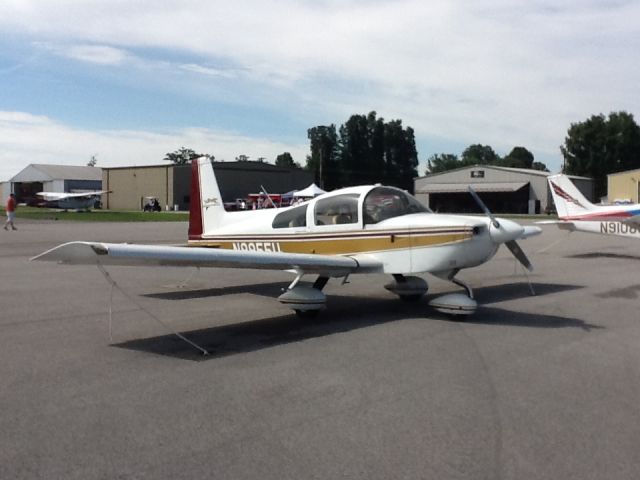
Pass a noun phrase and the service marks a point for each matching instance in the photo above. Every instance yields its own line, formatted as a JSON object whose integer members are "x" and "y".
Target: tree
{"x": 602, "y": 145}
{"x": 323, "y": 161}
{"x": 285, "y": 160}
{"x": 361, "y": 149}
{"x": 184, "y": 155}
{"x": 519, "y": 157}
{"x": 400, "y": 155}
{"x": 479, "y": 155}
{"x": 539, "y": 166}
{"x": 441, "y": 162}
{"x": 367, "y": 150}
{"x": 93, "y": 161}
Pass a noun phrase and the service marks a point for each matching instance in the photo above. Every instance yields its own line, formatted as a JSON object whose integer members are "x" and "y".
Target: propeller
{"x": 504, "y": 231}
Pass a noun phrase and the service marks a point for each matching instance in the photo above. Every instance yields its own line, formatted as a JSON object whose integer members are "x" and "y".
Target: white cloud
{"x": 26, "y": 138}
{"x": 209, "y": 71}
{"x": 503, "y": 72}
{"x": 98, "y": 54}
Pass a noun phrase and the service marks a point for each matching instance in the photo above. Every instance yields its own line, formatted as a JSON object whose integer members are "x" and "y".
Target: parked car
{"x": 151, "y": 205}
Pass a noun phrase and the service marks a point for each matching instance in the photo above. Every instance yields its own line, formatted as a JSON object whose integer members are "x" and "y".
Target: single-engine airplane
{"x": 72, "y": 201}
{"x": 365, "y": 229}
{"x": 576, "y": 213}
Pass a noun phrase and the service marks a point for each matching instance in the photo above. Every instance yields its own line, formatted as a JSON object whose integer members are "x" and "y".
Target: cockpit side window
{"x": 340, "y": 209}
{"x": 383, "y": 203}
{"x": 294, "y": 217}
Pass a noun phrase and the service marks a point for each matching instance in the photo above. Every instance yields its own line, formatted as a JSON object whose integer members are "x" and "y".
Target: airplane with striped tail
{"x": 577, "y": 214}
{"x": 364, "y": 229}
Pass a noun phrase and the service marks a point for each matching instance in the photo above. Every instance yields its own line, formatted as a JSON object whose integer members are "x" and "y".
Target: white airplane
{"x": 576, "y": 213}
{"x": 366, "y": 229}
{"x": 72, "y": 201}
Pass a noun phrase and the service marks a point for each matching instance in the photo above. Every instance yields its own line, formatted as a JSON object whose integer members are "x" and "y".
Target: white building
{"x": 503, "y": 189}
{"x": 54, "y": 178}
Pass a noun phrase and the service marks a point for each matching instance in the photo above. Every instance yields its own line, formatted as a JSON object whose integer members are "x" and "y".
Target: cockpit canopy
{"x": 379, "y": 204}
{"x": 382, "y": 203}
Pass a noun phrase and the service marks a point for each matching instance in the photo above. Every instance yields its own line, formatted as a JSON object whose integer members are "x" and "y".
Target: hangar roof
{"x": 478, "y": 187}
{"x": 526, "y": 171}
{"x": 37, "y": 172}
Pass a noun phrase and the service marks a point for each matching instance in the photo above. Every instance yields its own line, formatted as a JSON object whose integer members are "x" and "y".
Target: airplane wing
{"x": 83, "y": 253}
{"x": 561, "y": 224}
{"x": 52, "y": 196}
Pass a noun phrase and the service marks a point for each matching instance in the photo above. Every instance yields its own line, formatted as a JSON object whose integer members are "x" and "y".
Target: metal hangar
{"x": 503, "y": 189}
{"x": 171, "y": 184}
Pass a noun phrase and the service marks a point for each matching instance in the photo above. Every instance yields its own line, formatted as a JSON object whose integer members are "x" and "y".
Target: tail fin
{"x": 206, "y": 209}
{"x": 568, "y": 199}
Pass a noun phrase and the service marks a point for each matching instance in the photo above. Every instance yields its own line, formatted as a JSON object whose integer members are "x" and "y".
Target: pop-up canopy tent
{"x": 311, "y": 191}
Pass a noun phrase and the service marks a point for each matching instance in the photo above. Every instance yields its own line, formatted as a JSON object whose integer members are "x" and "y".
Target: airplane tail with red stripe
{"x": 206, "y": 209}
{"x": 570, "y": 202}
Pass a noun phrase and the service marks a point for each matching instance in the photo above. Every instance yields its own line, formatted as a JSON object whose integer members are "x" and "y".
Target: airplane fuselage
{"x": 605, "y": 227}
{"x": 75, "y": 203}
{"x": 413, "y": 243}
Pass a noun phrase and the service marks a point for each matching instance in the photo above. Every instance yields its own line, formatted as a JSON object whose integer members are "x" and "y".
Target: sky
{"x": 129, "y": 81}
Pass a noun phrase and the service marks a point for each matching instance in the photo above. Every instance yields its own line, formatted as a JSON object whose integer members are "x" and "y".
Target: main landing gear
{"x": 307, "y": 301}
{"x": 304, "y": 300}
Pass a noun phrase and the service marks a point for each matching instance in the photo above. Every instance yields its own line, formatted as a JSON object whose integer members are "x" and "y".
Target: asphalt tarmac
{"x": 530, "y": 387}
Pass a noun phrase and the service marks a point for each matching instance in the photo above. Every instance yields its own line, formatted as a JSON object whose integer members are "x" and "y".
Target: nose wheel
{"x": 463, "y": 285}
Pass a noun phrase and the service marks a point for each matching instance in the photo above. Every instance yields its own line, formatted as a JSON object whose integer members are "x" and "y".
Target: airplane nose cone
{"x": 506, "y": 231}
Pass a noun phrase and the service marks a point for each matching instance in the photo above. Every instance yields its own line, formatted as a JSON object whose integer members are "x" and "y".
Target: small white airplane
{"x": 576, "y": 213}
{"x": 365, "y": 229}
{"x": 72, "y": 201}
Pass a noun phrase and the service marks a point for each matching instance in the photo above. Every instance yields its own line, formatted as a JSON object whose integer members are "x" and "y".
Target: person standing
{"x": 11, "y": 212}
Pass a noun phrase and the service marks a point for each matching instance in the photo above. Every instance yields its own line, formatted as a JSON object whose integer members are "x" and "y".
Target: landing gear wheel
{"x": 411, "y": 298}
{"x": 307, "y": 313}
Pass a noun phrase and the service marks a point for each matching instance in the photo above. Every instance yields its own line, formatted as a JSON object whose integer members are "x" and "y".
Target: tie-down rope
{"x": 114, "y": 285}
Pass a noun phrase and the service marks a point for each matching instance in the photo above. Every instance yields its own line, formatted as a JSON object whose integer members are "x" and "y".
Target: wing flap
{"x": 88, "y": 253}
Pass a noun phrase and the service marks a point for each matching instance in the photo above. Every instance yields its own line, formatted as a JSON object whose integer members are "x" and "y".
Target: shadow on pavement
{"x": 343, "y": 314}
{"x": 617, "y": 256}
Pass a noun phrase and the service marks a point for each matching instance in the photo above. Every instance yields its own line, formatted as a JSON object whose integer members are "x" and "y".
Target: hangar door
{"x": 26, "y": 192}
{"x": 508, "y": 197}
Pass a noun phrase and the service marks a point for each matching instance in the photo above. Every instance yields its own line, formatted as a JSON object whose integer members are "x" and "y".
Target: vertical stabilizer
{"x": 206, "y": 210}
{"x": 568, "y": 199}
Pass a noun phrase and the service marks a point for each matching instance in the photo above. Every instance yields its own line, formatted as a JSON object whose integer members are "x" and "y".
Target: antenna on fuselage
{"x": 264, "y": 190}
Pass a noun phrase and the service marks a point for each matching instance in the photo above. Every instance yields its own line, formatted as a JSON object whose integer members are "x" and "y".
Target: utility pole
{"x": 321, "y": 162}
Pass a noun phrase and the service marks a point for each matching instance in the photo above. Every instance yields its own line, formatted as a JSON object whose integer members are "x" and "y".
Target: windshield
{"x": 383, "y": 203}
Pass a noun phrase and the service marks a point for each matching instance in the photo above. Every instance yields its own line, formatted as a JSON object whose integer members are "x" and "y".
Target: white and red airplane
{"x": 576, "y": 213}
{"x": 72, "y": 201}
{"x": 366, "y": 229}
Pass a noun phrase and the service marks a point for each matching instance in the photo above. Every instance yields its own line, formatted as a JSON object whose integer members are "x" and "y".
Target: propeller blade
{"x": 484, "y": 208}
{"x": 517, "y": 252}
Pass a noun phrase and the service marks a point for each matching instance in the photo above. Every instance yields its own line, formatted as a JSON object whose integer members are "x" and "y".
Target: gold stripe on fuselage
{"x": 336, "y": 243}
